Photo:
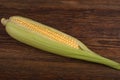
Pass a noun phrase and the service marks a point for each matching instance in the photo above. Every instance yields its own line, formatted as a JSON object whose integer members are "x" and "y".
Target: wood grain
{"x": 94, "y": 22}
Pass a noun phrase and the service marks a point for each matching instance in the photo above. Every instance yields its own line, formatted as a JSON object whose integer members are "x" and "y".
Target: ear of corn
{"x": 47, "y": 32}
{"x": 46, "y": 38}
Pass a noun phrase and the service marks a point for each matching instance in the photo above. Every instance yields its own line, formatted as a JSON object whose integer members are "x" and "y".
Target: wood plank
{"x": 95, "y": 22}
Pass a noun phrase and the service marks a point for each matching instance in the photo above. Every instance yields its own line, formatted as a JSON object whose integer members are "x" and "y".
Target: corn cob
{"x": 49, "y": 39}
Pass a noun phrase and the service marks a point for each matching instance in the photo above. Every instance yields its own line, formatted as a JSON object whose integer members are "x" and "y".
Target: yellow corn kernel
{"x": 62, "y": 38}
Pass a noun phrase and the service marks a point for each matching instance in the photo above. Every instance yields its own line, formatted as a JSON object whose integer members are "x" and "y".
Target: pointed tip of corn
{"x": 4, "y": 21}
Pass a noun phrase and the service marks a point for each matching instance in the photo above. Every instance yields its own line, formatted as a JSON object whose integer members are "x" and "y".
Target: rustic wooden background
{"x": 94, "y": 22}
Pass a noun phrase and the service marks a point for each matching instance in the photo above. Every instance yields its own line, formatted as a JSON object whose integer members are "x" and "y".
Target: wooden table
{"x": 95, "y": 22}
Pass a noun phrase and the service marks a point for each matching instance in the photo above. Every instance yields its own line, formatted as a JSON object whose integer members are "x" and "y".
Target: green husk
{"x": 40, "y": 41}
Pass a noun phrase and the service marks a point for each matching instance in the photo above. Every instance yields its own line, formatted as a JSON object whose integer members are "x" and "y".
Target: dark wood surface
{"x": 94, "y": 22}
